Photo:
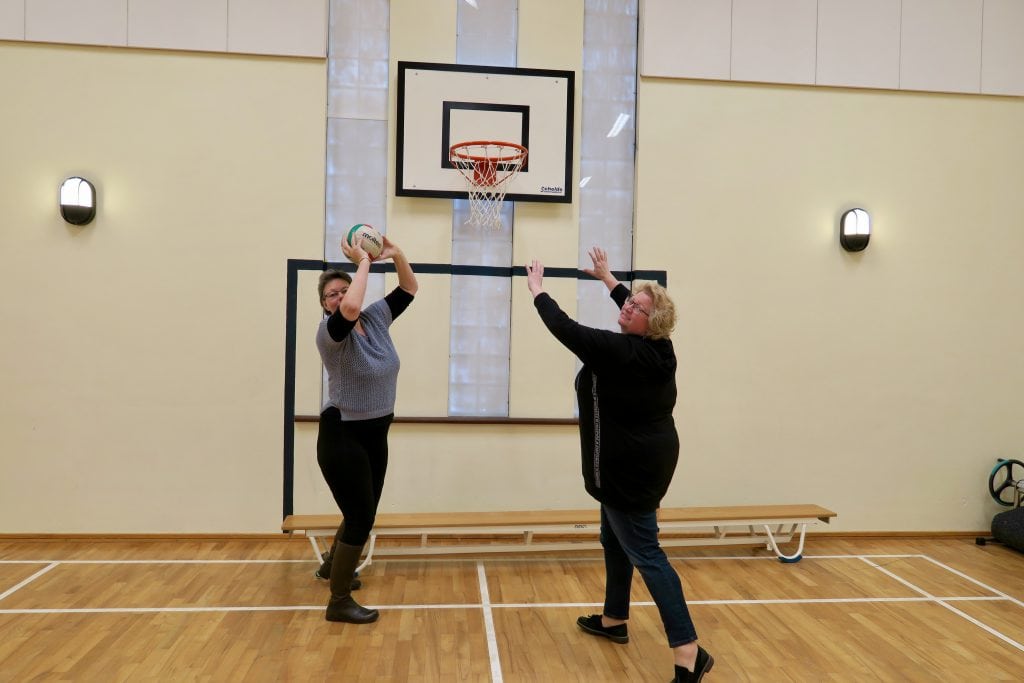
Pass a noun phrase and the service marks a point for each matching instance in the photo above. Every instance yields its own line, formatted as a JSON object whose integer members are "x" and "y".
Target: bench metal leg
{"x": 796, "y": 557}
{"x": 316, "y": 549}
{"x": 369, "y": 553}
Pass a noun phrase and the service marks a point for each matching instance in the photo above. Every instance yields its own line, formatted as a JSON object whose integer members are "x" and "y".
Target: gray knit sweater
{"x": 362, "y": 371}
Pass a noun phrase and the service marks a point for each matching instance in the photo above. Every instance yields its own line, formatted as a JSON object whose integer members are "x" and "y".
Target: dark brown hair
{"x": 329, "y": 276}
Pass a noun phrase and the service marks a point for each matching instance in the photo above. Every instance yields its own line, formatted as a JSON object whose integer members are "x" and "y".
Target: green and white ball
{"x": 367, "y": 237}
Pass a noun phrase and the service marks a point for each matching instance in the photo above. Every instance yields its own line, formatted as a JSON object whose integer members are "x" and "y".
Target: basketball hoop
{"x": 488, "y": 168}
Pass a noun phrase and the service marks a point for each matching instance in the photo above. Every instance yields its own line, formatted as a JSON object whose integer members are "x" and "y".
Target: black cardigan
{"x": 626, "y": 391}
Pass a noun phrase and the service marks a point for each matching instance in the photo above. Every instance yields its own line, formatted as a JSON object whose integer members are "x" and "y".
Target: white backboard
{"x": 443, "y": 104}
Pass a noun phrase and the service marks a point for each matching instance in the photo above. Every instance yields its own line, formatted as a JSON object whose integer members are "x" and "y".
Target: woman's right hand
{"x": 354, "y": 254}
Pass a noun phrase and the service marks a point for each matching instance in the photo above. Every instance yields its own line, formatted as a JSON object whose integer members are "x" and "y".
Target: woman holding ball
{"x": 626, "y": 391}
{"x": 352, "y": 445}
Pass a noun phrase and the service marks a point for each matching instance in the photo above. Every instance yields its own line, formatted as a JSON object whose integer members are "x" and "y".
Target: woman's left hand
{"x": 535, "y": 277}
{"x": 599, "y": 257}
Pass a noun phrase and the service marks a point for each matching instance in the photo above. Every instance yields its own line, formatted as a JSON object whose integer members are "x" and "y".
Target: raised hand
{"x": 354, "y": 254}
{"x": 601, "y": 271}
{"x": 535, "y": 277}
{"x": 390, "y": 249}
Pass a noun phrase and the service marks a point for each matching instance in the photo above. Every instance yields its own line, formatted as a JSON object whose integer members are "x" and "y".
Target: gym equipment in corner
{"x": 1006, "y": 486}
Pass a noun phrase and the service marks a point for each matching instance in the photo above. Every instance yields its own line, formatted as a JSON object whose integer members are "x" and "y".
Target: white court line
{"x": 400, "y": 560}
{"x": 954, "y": 610}
{"x": 487, "y": 606}
{"x": 598, "y": 558}
{"x": 975, "y": 581}
{"x": 1006, "y": 639}
{"x": 857, "y": 557}
{"x": 225, "y": 608}
{"x": 749, "y": 601}
{"x": 160, "y": 561}
{"x": 28, "y": 580}
{"x": 492, "y": 639}
{"x": 151, "y": 610}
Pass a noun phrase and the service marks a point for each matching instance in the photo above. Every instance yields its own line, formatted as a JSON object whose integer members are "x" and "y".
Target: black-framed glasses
{"x": 631, "y": 303}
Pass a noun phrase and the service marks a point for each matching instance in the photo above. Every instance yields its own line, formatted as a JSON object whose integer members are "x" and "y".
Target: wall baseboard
{"x": 143, "y": 537}
{"x": 832, "y": 535}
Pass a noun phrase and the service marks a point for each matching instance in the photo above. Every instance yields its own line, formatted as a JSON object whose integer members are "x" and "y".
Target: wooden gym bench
{"x": 473, "y": 532}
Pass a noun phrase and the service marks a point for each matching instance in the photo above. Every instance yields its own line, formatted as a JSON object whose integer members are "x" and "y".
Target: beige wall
{"x": 142, "y": 356}
{"x": 882, "y": 384}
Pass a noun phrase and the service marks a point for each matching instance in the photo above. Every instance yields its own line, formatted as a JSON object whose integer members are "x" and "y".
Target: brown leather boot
{"x": 324, "y": 572}
{"x": 341, "y": 606}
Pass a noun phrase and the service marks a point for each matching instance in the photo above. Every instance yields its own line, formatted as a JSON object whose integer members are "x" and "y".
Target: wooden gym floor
{"x": 249, "y": 609}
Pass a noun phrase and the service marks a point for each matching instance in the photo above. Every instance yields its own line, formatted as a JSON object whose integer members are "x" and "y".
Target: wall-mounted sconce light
{"x": 77, "y": 201}
{"x": 854, "y": 229}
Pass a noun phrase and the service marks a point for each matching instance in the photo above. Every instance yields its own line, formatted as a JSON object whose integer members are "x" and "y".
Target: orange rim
{"x": 457, "y": 150}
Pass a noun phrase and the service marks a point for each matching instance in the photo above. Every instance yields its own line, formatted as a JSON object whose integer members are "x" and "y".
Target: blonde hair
{"x": 662, "y": 319}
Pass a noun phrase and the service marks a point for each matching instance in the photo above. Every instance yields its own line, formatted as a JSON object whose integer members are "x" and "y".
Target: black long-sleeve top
{"x": 626, "y": 391}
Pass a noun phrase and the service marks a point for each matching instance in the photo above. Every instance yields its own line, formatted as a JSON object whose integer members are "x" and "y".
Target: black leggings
{"x": 353, "y": 457}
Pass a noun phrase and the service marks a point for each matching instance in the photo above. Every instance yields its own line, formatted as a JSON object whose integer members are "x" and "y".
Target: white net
{"x": 488, "y": 168}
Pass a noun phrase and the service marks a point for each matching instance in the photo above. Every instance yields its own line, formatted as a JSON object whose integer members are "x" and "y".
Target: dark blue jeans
{"x": 630, "y": 539}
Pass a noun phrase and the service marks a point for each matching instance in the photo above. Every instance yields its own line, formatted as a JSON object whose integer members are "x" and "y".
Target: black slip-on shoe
{"x": 592, "y": 625}
{"x": 324, "y": 572}
{"x": 703, "y": 665}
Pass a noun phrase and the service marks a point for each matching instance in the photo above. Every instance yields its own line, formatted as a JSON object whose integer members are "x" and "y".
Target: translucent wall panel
{"x": 357, "y": 106}
{"x": 357, "y": 125}
{"x": 482, "y": 306}
{"x": 487, "y": 33}
{"x": 357, "y": 169}
{"x": 607, "y": 147}
{"x": 357, "y": 59}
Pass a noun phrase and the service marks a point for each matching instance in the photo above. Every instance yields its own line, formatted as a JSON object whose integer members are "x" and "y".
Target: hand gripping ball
{"x": 370, "y": 239}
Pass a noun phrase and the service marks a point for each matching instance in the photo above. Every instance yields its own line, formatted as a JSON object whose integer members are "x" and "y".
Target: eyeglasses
{"x": 333, "y": 295}
{"x": 631, "y": 303}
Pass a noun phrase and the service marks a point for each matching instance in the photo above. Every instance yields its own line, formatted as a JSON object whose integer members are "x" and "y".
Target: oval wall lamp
{"x": 77, "y": 201}
{"x": 855, "y": 229}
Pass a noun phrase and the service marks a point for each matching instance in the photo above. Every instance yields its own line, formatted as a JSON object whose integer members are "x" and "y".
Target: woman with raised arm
{"x": 352, "y": 445}
{"x": 626, "y": 391}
